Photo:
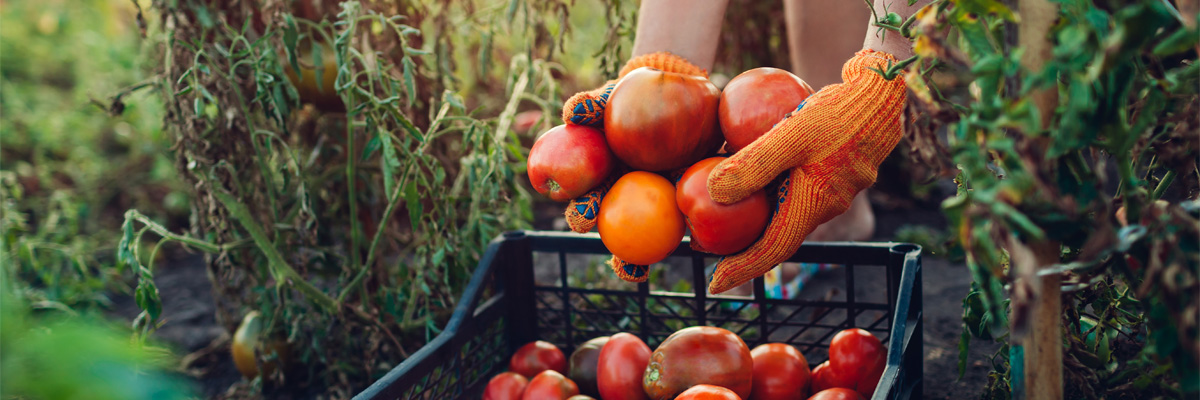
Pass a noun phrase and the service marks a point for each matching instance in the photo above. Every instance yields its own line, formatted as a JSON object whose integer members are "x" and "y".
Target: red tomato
{"x": 696, "y": 355}
{"x": 583, "y": 363}
{"x": 719, "y": 228}
{"x": 622, "y": 362}
{"x": 858, "y": 357}
{"x": 505, "y": 386}
{"x": 568, "y": 161}
{"x": 824, "y": 377}
{"x": 707, "y": 392}
{"x": 550, "y": 385}
{"x": 780, "y": 372}
{"x": 659, "y": 121}
{"x": 536, "y": 357}
{"x": 836, "y": 394}
{"x": 755, "y": 100}
{"x": 581, "y": 397}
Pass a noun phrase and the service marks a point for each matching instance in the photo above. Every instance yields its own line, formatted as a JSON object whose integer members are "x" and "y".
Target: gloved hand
{"x": 831, "y": 147}
{"x": 587, "y": 108}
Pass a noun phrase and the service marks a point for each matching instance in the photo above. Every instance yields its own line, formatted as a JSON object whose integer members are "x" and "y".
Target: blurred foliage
{"x": 351, "y": 161}
{"x": 69, "y": 169}
{"x": 1110, "y": 184}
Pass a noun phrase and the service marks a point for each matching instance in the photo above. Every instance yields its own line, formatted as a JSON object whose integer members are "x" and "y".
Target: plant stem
{"x": 279, "y": 268}
{"x": 162, "y": 231}
{"x": 1163, "y": 185}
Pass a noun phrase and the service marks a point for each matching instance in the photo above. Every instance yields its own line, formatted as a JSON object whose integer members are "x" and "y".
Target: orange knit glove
{"x": 831, "y": 147}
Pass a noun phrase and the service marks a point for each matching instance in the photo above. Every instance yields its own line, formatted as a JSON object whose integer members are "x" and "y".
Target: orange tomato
{"x": 708, "y": 392}
{"x": 639, "y": 221}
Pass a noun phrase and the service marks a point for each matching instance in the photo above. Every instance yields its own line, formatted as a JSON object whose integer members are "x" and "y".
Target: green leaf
{"x": 410, "y": 88}
{"x": 1182, "y": 40}
{"x": 415, "y": 209}
{"x": 371, "y": 147}
{"x": 290, "y": 37}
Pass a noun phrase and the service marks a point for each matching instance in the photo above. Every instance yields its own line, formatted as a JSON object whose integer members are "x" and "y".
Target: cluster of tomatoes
{"x": 700, "y": 362}
{"x": 660, "y": 123}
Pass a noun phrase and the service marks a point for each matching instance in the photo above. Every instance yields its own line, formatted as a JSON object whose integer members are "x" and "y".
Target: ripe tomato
{"x": 659, "y": 121}
{"x": 755, "y": 100}
{"x": 549, "y": 385}
{"x": 858, "y": 356}
{"x": 249, "y": 339}
{"x": 780, "y": 372}
{"x": 622, "y": 361}
{"x": 581, "y": 397}
{"x": 639, "y": 221}
{"x": 536, "y": 357}
{"x": 696, "y": 355}
{"x": 707, "y": 392}
{"x": 583, "y": 364}
{"x": 321, "y": 94}
{"x": 836, "y": 394}
{"x": 719, "y": 228}
{"x": 505, "y": 386}
{"x": 824, "y": 377}
{"x": 569, "y": 160}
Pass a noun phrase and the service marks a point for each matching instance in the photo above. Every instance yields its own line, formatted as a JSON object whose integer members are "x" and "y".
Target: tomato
{"x": 581, "y": 397}
{"x": 622, "y": 361}
{"x": 755, "y": 100}
{"x": 248, "y": 340}
{"x": 708, "y": 392}
{"x": 505, "y": 386}
{"x": 659, "y": 121}
{"x": 549, "y": 385}
{"x": 696, "y": 355}
{"x": 836, "y": 394}
{"x": 719, "y": 228}
{"x": 568, "y": 161}
{"x": 780, "y": 372}
{"x": 321, "y": 94}
{"x": 824, "y": 377}
{"x": 583, "y": 365}
{"x": 639, "y": 221}
{"x": 858, "y": 356}
{"x": 536, "y": 357}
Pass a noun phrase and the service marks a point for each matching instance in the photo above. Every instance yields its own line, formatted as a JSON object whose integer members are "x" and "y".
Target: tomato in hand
{"x": 639, "y": 221}
{"x": 622, "y": 362}
{"x": 780, "y": 372}
{"x": 505, "y": 386}
{"x": 836, "y": 394}
{"x": 707, "y": 392}
{"x": 717, "y": 228}
{"x": 550, "y": 385}
{"x": 660, "y": 121}
{"x": 536, "y": 357}
{"x": 754, "y": 101}
{"x": 859, "y": 357}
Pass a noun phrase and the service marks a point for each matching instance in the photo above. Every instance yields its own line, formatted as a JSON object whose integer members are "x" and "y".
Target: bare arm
{"x": 686, "y": 28}
{"x": 892, "y": 42}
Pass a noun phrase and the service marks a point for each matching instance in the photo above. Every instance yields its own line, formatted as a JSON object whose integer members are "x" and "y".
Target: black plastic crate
{"x": 503, "y": 308}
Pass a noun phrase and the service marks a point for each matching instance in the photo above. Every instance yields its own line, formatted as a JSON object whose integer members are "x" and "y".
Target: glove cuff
{"x": 663, "y": 61}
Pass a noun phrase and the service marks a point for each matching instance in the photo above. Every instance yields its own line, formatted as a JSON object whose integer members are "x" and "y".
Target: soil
{"x": 190, "y": 325}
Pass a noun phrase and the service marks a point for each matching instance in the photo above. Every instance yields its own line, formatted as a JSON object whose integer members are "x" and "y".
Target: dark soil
{"x": 190, "y": 325}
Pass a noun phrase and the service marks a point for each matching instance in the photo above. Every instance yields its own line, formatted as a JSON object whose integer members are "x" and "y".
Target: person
{"x": 830, "y": 148}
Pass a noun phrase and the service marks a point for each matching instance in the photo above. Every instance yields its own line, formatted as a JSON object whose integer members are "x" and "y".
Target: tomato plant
{"x": 639, "y": 220}
{"x": 659, "y": 121}
{"x": 622, "y": 362}
{"x": 719, "y": 228}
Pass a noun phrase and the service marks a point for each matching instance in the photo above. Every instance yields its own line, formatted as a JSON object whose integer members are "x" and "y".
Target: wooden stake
{"x": 1043, "y": 345}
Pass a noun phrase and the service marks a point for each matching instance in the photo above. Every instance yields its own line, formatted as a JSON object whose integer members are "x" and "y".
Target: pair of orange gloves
{"x": 830, "y": 147}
